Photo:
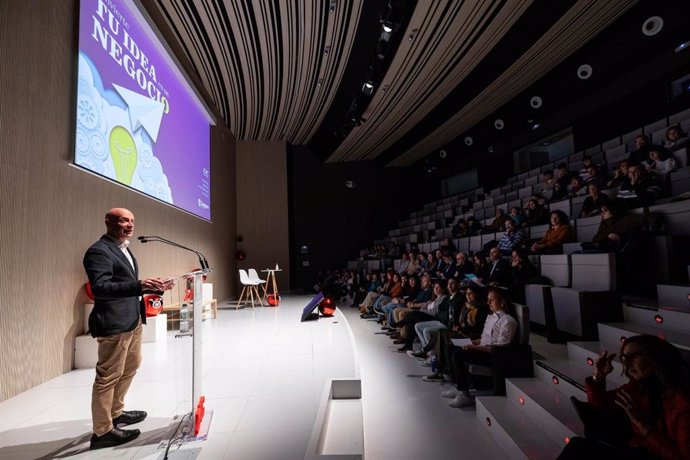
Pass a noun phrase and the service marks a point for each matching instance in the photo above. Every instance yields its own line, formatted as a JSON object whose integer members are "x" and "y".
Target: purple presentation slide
{"x": 138, "y": 122}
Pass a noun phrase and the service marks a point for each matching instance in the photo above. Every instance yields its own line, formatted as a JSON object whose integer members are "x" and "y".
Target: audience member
{"x": 426, "y": 330}
{"x": 577, "y": 187}
{"x": 641, "y": 152}
{"x": 404, "y": 263}
{"x": 585, "y": 172}
{"x": 499, "y": 330}
{"x": 594, "y": 200}
{"x": 497, "y": 272}
{"x": 675, "y": 138}
{"x": 462, "y": 266}
{"x": 615, "y": 227}
{"x": 517, "y": 215}
{"x": 447, "y": 246}
{"x": 498, "y": 222}
{"x": 619, "y": 175}
{"x": 474, "y": 228}
{"x": 662, "y": 162}
{"x": 536, "y": 214}
{"x": 639, "y": 189}
{"x": 424, "y": 294}
{"x": 646, "y": 418}
{"x": 547, "y": 182}
{"x": 522, "y": 272}
{"x": 480, "y": 267}
{"x": 437, "y": 308}
{"x": 560, "y": 232}
{"x": 448, "y": 267}
{"x": 459, "y": 230}
{"x": 511, "y": 239}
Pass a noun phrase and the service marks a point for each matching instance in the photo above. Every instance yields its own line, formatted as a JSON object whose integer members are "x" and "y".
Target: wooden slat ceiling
{"x": 273, "y": 67}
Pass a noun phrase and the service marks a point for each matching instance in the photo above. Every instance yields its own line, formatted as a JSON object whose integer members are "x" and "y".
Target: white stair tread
{"x": 678, "y": 339}
{"x": 522, "y": 430}
{"x": 551, "y": 400}
{"x": 580, "y": 371}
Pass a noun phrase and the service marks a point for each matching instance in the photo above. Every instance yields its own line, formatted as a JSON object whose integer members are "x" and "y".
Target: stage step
{"x": 659, "y": 318}
{"x": 549, "y": 408}
{"x": 570, "y": 376}
{"x": 588, "y": 352}
{"x": 610, "y": 334}
{"x": 512, "y": 429}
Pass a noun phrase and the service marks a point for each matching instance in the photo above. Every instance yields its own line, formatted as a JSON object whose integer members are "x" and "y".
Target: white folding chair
{"x": 254, "y": 277}
{"x": 249, "y": 288}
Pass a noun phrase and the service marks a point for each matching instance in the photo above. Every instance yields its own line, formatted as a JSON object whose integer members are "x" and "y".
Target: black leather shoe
{"x": 129, "y": 417}
{"x": 114, "y": 438}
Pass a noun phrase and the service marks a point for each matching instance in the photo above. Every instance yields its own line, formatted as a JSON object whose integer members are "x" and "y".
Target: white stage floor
{"x": 264, "y": 375}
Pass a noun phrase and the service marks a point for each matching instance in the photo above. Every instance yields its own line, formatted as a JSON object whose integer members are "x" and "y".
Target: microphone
{"x": 155, "y": 238}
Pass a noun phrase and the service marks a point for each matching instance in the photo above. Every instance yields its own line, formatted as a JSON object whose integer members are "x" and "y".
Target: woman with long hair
{"x": 653, "y": 408}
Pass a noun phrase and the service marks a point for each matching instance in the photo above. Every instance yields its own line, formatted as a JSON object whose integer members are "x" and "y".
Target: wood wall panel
{"x": 262, "y": 206}
{"x": 52, "y": 211}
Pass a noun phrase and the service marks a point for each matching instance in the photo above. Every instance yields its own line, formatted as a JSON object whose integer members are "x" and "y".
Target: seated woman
{"x": 615, "y": 227}
{"x": 423, "y": 292}
{"x": 511, "y": 239}
{"x": 423, "y": 262}
{"x": 535, "y": 214}
{"x": 662, "y": 162}
{"x": 576, "y": 187}
{"x": 480, "y": 266}
{"x": 474, "y": 228}
{"x": 404, "y": 263}
{"x": 459, "y": 230}
{"x": 559, "y": 233}
{"x": 413, "y": 268}
{"x": 594, "y": 200}
{"x": 447, "y": 245}
{"x": 646, "y": 418}
{"x": 675, "y": 138}
{"x": 431, "y": 263}
{"x": 499, "y": 329}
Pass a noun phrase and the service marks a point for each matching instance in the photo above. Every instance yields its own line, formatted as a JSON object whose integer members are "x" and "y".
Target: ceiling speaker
{"x": 498, "y": 124}
{"x": 442, "y": 153}
{"x": 535, "y": 102}
{"x": 469, "y": 141}
{"x": 652, "y": 26}
{"x": 584, "y": 71}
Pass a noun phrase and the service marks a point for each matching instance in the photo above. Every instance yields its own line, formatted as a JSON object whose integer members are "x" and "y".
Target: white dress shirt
{"x": 499, "y": 329}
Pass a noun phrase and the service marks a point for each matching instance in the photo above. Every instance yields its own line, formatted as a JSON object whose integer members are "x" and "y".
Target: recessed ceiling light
{"x": 535, "y": 102}
{"x": 442, "y": 153}
{"x": 498, "y": 124}
{"x": 652, "y": 26}
{"x": 368, "y": 88}
{"x": 584, "y": 71}
{"x": 682, "y": 46}
{"x": 469, "y": 141}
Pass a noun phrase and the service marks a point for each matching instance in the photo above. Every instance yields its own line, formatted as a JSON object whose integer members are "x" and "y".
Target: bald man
{"x": 116, "y": 321}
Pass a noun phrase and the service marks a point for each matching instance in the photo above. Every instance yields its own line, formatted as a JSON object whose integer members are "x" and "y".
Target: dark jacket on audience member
{"x": 620, "y": 225}
{"x": 538, "y": 216}
{"x": 590, "y": 204}
{"x": 470, "y": 320}
{"x": 455, "y": 303}
{"x": 464, "y": 269}
{"x": 499, "y": 274}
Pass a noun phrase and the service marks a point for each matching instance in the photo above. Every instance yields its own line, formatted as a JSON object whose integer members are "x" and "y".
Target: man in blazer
{"x": 116, "y": 321}
{"x": 498, "y": 269}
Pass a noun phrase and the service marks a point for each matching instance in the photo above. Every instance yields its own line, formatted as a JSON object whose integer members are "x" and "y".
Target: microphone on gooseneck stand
{"x": 155, "y": 238}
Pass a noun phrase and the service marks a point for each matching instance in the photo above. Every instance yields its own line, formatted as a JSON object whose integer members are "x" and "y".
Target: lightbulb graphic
{"x": 124, "y": 153}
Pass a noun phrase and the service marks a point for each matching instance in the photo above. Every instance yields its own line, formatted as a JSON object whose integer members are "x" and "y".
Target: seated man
{"x": 423, "y": 296}
{"x": 498, "y": 269}
{"x": 619, "y": 175}
{"x": 639, "y": 189}
{"x": 498, "y": 222}
{"x": 459, "y": 230}
{"x": 662, "y": 162}
{"x": 615, "y": 227}
{"x": 547, "y": 183}
{"x": 594, "y": 200}
{"x": 511, "y": 239}
{"x": 448, "y": 267}
{"x": 536, "y": 214}
{"x": 640, "y": 154}
{"x": 434, "y": 309}
{"x": 577, "y": 187}
{"x": 462, "y": 266}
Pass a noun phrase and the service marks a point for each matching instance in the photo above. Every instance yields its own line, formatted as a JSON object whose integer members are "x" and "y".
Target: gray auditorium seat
{"x": 586, "y": 228}
{"x": 675, "y": 215}
{"x": 611, "y": 143}
{"x": 674, "y": 297}
{"x": 475, "y": 244}
{"x": 537, "y": 231}
{"x": 556, "y": 268}
{"x": 509, "y": 361}
{"x": 463, "y": 244}
{"x": 680, "y": 181}
{"x": 576, "y": 205}
{"x": 592, "y": 297}
{"x": 563, "y": 205}
{"x": 681, "y": 156}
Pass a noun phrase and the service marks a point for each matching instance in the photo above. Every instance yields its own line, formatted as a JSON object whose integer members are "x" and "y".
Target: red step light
{"x": 522, "y": 400}
{"x": 590, "y": 362}
{"x": 623, "y": 338}
{"x": 659, "y": 319}
{"x": 554, "y": 379}
{"x": 567, "y": 439}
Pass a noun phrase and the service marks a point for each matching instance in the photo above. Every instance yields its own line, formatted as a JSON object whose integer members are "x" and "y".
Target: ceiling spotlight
{"x": 498, "y": 124}
{"x": 319, "y": 82}
{"x": 368, "y": 88}
{"x": 387, "y": 27}
{"x": 536, "y": 126}
{"x": 442, "y": 153}
{"x": 584, "y": 71}
{"x": 682, "y": 46}
{"x": 413, "y": 34}
{"x": 469, "y": 141}
{"x": 326, "y": 49}
{"x": 652, "y": 26}
{"x": 332, "y": 5}
{"x": 535, "y": 102}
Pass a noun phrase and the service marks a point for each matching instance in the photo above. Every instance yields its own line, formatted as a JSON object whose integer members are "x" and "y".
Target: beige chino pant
{"x": 119, "y": 357}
